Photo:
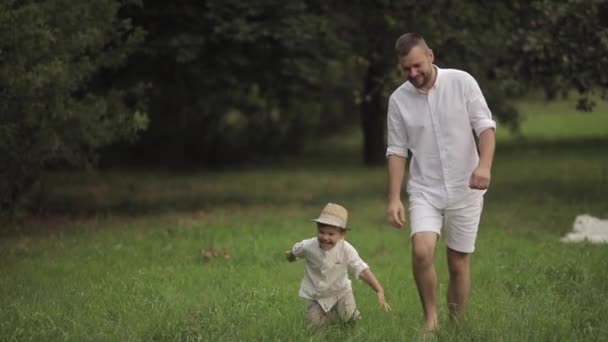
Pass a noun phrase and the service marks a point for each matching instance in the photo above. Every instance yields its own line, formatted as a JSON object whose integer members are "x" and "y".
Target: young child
{"x": 326, "y": 285}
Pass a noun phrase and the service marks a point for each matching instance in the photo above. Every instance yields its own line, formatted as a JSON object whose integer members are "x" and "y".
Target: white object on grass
{"x": 587, "y": 227}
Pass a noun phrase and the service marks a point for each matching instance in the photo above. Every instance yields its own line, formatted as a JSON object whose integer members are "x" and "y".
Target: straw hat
{"x": 333, "y": 215}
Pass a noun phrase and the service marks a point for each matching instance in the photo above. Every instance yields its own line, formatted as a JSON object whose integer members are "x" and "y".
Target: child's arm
{"x": 297, "y": 251}
{"x": 290, "y": 256}
{"x": 358, "y": 267}
{"x": 370, "y": 279}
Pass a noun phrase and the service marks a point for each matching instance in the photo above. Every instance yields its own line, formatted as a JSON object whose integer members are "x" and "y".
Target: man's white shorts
{"x": 460, "y": 224}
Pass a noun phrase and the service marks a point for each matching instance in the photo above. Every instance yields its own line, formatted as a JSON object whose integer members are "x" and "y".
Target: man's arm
{"x": 480, "y": 179}
{"x": 487, "y": 145}
{"x": 396, "y": 173}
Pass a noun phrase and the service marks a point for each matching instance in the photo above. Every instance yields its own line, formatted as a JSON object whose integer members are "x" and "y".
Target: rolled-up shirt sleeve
{"x": 354, "y": 263}
{"x": 299, "y": 249}
{"x": 480, "y": 115}
{"x": 397, "y": 142}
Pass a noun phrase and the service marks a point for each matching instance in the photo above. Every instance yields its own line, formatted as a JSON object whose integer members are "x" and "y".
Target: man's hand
{"x": 290, "y": 256}
{"x": 395, "y": 214}
{"x": 382, "y": 302}
{"x": 480, "y": 179}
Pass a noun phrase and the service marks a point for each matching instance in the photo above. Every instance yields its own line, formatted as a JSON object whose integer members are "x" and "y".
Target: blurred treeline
{"x": 203, "y": 83}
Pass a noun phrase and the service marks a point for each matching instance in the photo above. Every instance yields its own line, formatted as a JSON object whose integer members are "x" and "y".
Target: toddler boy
{"x": 329, "y": 258}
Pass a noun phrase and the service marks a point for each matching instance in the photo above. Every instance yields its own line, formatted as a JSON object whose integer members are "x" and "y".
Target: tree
{"x": 371, "y": 28}
{"x": 564, "y": 47}
{"x": 51, "y": 110}
{"x": 232, "y": 80}
{"x": 235, "y": 80}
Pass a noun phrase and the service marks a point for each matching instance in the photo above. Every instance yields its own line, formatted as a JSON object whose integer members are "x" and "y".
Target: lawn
{"x": 126, "y": 255}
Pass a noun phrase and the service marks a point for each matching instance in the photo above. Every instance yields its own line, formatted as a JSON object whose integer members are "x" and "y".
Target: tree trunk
{"x": 373, "y": 113}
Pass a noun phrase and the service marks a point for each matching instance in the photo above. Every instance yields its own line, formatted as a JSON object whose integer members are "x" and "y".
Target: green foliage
{"x": 50, "y": 112}
{"x": 563, "y": 46}
{"x": 232, "y": 80}
{"x": 229, "y": 80}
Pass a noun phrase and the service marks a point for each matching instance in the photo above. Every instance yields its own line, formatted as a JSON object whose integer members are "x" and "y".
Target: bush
{"x": 53, "y": 107}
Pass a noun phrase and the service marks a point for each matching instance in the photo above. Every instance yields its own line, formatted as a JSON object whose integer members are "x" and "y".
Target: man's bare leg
{"x": 423, "y": 257}
{"x": 459, "y": 286}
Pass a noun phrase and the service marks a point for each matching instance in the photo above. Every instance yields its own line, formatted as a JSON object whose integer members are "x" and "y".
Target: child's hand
{"x": 290, "y": 256}
{"x": 382, "y": 302}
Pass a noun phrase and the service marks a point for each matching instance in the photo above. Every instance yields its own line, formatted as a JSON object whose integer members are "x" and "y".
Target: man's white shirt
{"x": 437, "y": 127}
{"x": 326, "y": 272}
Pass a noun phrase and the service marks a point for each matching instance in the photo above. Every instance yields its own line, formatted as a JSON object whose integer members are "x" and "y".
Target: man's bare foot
{"x": 428, "y": 333}
{"x": 430, "y": 325}
{"x": 429, "y": 329}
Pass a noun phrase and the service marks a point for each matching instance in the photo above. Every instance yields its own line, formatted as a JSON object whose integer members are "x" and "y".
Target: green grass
{"x": 116, "y": 256}
{"x": 550, "y": 120}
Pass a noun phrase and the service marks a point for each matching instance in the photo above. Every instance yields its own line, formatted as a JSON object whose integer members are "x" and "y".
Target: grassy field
{"x": 119, "y": 256}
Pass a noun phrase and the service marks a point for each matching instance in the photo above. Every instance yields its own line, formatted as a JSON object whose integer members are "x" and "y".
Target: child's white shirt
{"x": 326, "y": 272}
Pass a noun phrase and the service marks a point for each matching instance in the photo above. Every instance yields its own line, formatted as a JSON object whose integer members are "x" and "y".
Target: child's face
{"x": 328, "y": 236}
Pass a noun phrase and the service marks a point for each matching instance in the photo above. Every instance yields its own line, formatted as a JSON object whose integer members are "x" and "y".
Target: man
{"x": 433, "y": 116}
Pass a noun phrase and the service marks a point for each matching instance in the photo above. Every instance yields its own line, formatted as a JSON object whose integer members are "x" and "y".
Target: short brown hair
{"x": 406, "y": 43}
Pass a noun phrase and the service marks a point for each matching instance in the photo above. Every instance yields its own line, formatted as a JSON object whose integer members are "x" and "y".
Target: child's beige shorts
{"x": 460, "y": 224}
{"x": 345, "y": 310}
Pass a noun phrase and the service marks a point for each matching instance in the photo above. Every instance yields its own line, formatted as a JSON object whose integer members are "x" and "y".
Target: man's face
{"x": 417, "y": 66}
{"x": 328, "y": 236}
